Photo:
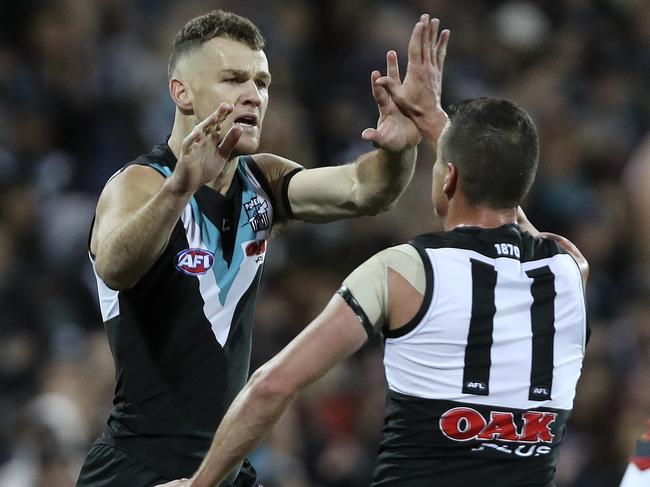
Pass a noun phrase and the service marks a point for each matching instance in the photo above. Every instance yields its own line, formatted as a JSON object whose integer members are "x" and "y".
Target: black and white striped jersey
{"x": 181, "y": 337}
{"x": 482, "y": 380}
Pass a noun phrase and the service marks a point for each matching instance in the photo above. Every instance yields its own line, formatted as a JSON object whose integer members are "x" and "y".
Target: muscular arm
{"x": 407, "y": 111}
{"x": 135, "y": 216}
{"x": 335, "y": 334}
{"x": 330, "y": 338}
{"x": 371, "y": 184}
{"x": 137, "y": 210}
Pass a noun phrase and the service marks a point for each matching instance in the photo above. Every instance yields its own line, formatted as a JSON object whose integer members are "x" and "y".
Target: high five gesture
{"x": 418, "y": 96}
{"x": 394, "y": 131}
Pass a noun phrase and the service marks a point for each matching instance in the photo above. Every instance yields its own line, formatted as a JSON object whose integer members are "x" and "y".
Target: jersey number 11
{"x": 476, "y": 373}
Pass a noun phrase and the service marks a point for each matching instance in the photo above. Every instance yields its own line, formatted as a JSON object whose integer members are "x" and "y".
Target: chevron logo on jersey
{"x": 257, "y": 212}
{"x": 194, "y": 262}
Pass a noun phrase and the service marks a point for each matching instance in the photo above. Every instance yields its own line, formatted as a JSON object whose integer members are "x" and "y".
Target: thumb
{"x": 371, "y": 135}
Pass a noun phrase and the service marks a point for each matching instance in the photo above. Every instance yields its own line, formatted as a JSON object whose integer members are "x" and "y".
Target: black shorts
{"x": 106, "y": 466}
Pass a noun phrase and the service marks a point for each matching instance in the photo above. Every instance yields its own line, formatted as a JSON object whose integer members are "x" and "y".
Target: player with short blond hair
{"x": 179, "y": 242}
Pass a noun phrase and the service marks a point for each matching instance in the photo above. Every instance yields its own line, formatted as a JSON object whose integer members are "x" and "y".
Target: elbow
{"x": 383, "y": 201}
{"x": 114, "y": 278}
{"x": 269, "y": 385}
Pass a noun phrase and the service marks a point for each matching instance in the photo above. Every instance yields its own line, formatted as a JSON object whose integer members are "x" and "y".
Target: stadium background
{"x": 83, "y": 90}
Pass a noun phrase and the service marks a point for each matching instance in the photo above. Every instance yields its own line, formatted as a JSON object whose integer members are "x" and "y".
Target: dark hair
{"x": 217, "y": 23}
{"x": 493, "y": 143}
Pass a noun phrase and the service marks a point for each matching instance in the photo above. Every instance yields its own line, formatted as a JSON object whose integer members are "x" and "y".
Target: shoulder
{"x": 135, "y": 177}
{"x": 401, "y": 256}
{"x": 130, "y": 187}
{"x": 570, "y": 248}
{"x": 393, "y": 257}
{"x": 274, "y": 166}
{"x": 403, "y": 261}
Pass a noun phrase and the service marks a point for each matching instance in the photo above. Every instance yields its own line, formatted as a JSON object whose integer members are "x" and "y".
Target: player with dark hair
{"x": 179, "y": 240}
{"x": 484, "y": 323}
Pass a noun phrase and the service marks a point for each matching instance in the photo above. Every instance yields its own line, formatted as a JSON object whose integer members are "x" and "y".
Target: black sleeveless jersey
{"x": 181, "y": 337}
{"x": 482, "y": 380}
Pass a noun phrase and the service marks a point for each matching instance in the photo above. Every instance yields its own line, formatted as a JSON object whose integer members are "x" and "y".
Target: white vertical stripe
{"x": 109, "y": 302}
{"x": 512, "y": 335}
{"x": 221, "y": 316}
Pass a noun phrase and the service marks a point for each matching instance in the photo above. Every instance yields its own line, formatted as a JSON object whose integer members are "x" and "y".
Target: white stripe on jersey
{"x": 429, "y": 361}
{"x": 108, "y": 298}
{"x": 220, "y": 316}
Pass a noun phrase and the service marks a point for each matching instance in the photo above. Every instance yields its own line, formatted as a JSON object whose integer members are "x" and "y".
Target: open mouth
{"x": 247, "y": 120}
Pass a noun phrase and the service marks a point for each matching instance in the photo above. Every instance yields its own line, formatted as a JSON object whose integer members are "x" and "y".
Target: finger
{"x": 389, "y": 84}
{"x": 379, "y": 93}
{"x": 190, "y": 139}
{"x": 217, "y": 117}
{"x": 415, "y": 44}
{"x": 214, "y": 131}
{"x": 426, "y": 38}
{"x": 433, "y": 36}
{"x": 223, "y": 111}
{"x": 441, "y": 51}
{"x": 392, "y": 65}
{"x": 229, "y": 142}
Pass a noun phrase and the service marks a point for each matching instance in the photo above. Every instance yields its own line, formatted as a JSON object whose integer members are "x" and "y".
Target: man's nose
{"x": 251, "y": 94}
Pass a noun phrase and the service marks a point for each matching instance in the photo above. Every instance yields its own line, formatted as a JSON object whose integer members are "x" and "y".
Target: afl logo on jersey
{"x": 194, "y": 262}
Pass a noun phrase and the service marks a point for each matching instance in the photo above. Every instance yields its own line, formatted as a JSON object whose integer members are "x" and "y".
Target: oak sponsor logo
{"x": 194, "y": 262}
{"x": 465, "y": 424}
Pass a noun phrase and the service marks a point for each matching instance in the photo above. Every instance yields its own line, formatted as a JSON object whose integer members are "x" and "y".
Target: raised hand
{"x": 203, "y": 153}
{"x": 395, "y": 131}
{"x": 418, "y": 97}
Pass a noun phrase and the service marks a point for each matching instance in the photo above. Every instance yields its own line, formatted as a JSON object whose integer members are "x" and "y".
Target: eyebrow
{"x": 241, "y": 73}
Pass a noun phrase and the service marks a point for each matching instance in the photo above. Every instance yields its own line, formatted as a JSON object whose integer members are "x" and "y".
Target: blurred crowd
{"x": 83, "y": 89}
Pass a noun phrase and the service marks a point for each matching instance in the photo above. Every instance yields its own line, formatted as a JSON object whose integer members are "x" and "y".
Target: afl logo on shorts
{"x": 194, "y": 262}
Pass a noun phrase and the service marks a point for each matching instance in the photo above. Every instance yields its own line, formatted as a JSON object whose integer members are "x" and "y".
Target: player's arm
{"x": 563, "y": 242}
{"x": 369, "y": 185}
{"x": 419, "y": 96}
{"x": 360, "y": 309}
{"x": 375, "y": 181}
{"x": 330, "y": 338}
{"x": 138, "y": 209}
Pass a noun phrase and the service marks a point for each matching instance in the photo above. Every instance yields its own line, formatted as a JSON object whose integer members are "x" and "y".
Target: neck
{"x": 183, "y": 125}
{"x": 466, "y": 215}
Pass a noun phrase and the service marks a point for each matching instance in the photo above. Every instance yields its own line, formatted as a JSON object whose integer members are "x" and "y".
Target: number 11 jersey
{"x": 482, "y": 380}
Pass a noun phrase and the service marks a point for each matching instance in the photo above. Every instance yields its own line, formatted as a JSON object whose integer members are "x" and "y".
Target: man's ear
{"x": 181, "y": 96}
{"x": 450, "y": 184}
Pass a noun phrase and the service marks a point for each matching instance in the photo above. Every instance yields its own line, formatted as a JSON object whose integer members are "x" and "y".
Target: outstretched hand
{"x": 395, "y": 131}
{"x": 204, "y": 153}
{"x": 418, "y": 97}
